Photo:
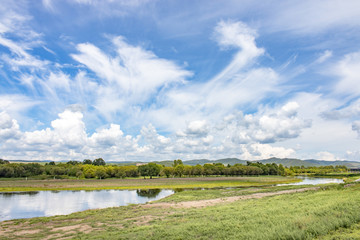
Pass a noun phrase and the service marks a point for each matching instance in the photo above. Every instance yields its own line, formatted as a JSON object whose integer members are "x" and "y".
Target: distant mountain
{"x": 292, "y": 162}
{"x": 284, "y": 161}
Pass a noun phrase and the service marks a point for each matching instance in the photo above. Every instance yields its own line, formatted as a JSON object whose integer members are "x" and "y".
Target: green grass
{"x": 139, "y": 183}
{"x": 194, "y": 195}
{"x": 350, "y": 233}
{"x": 307, "y": 215}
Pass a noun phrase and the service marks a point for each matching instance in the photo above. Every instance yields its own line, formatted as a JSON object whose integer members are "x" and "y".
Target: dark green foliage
{"x": 4, "y": 161}
{"x": 87, "y": 161}
{"x": 89, "y": 169}
{"x": 150, "y": 169}
{"x": 99, "y": 162}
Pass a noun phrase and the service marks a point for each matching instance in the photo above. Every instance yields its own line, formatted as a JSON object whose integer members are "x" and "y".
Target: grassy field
{"x": 139, "y": 183}
{"x": 331, "y": 212}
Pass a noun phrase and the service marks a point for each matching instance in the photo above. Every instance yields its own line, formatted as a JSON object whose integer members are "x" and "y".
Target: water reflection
{"x": 314, "y": 181}
{"x": 50, "y": 203}
{"x": 150, "y": 193}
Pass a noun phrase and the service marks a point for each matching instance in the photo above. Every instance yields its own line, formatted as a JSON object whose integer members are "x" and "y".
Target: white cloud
{"x": 326, "y": 156}
{"x": 198, "y": 128}
{"x": 312, "y": 17}
{"x": 352, "y": 111}
{"x": 258, "y": 151}
{"x": 268, "y": 127}
{"x": 9, "y": 128}
{"x": 324, "y": 56}
{"x": 348, "y": 71}
{"x": 238, "y": 85}
{"x": 353, "y": 155}
{"x": 132, "y": 76}
{"x": 356, "y": 127}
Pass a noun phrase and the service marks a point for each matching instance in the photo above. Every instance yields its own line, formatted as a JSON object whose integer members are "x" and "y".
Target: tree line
{"x": 98, "y": 169}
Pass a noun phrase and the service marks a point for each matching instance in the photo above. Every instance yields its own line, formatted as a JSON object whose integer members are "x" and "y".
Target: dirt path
{"x": 210, "y": 202}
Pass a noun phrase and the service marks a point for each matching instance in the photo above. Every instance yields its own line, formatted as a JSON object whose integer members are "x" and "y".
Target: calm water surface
{"x": 314, "y": 181}
{"x": 50, "y": 203}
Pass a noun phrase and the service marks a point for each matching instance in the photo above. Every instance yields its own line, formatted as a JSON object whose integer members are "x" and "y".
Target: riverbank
{"x": 291, "y": 214}
{"x": 139, "y": 183}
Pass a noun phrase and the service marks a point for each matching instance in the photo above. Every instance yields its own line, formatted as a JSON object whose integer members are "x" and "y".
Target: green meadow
{"x": 140, "y": 183}
{"x": 330, "y": 211}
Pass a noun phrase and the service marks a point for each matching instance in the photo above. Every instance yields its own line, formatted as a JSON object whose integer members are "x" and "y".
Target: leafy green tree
{"x": 187, "y": 170}
{"x": 2, "y": 161}
{"x": 73, "y": 162}
{"x": 99, "y": 162}
{"x": 150, "y": 169}
{"x": 6, "y": 171}
{"x": 177, "y": 162}
{"x": 197, "y": 170}
{"x": 179, "y": 170}
{"x": 89, "y": 171}
{"x": 100, "y": 172}
{"x": 168, "y": 171}
{"x": 87, "y": 161}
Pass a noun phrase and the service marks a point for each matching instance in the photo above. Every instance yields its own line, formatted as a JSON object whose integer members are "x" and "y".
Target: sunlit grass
{"x": 160, "y": 183}
{"x": 306, "y": 215}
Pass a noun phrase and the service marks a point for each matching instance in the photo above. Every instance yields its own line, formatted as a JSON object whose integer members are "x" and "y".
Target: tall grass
{"x": 304, "y": 215}
{"x": 296, "y": 216}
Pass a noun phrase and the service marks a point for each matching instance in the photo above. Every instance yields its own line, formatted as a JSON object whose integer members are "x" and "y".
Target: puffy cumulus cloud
{"x": 353, "y": 155}
{"x": 9, "y": 128}
{"x": 70, "y": 129}
{"x": 68, "y": 132}
{"x": 257, "y": 151}
{"x": 356, "y": 127}
{"x": 198, "y": 128}
{"x": 131, "y": 77}
{"x": 66, "y": 139}
{"x": 153, "y": 141}
{"x": 107, "y": 137}
{"x": 327, "y": 156}
{"x": 269, "y": 127}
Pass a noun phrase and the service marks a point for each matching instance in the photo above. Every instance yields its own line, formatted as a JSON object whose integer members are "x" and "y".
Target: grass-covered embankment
{"x": 304, "y": 215}
{"x": 139, "y": 183}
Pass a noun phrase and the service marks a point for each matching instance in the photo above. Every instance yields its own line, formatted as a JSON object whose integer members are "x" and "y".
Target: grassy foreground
{"x": 139, "y": 183}
{"x": 325, "y": 213}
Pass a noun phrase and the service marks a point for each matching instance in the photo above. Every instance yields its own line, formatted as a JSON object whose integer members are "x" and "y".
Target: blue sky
{"x": 156, "y": 80}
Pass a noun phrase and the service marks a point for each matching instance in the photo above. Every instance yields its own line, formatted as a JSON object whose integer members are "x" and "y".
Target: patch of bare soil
{"x": 78, "y": 227}
{"x": 210, "y": 202}
{"x": 26, "y": 232}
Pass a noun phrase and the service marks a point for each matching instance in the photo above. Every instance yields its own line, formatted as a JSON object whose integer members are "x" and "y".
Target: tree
{"x": 2, "y": 161}
{"x": 99, "y": 162}
{"x": 73, "y": 162}
{"x": 150, "y": 169}
{"x": 179, "y": 170}
{"x": 177, "y": 162}
{"x": 100, "y": 172}
{"x": 87, "y": 161}
{"x": 168, "y": 171}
